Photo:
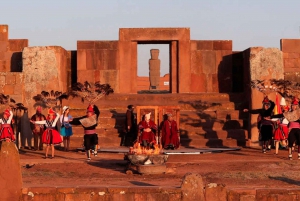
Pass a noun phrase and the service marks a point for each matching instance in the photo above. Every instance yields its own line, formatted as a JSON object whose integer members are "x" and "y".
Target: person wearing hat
{"x": 50, "y": 136}
{"x": 282, "y": 130}
{"x": 6, "y": 132}
{"x": 147, "y": 128}
{"x": 130, "y": 127}
{"x": 170, "y": 133}
{"x": 66, "y": 127}
{"x": 293, "y": 117}
{"x": 38, "y": 129}
{"x": 89, "y": 123}
{"x": 265, "y": 125}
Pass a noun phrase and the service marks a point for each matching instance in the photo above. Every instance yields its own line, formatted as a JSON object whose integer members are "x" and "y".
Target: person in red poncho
{"x": 6, "y": 132}
{"x": 170, "y": 135}
{"x": 147, "y": 128}
{"x": 50, "y": 136}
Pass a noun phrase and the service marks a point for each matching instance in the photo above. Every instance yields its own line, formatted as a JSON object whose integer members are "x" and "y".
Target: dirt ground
{"x": 245, "y": 168}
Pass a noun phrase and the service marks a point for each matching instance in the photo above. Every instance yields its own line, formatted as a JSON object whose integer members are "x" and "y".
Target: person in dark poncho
{"x": 265, "y": 125}
{"x": 89, "y": 123}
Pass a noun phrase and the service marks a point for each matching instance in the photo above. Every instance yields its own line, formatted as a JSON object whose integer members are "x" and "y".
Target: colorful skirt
{"x": 66, "y": 132}
{"x": 281, "y": 133}
{"x": 6, "y": 132}
{"x": 51, "y": 136}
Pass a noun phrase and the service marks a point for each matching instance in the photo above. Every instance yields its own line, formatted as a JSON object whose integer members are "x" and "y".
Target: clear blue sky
{"x": 63, "y": 22}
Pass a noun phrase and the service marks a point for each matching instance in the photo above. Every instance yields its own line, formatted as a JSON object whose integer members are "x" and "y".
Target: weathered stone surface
{"x": 110, "y": 77}
{"x": 10, "y": 172}
{"x": 4, "y": 46}
{"x": 151, "y": 169}
{"x": 196, "y": 62}
{"x": 216, "y": 192}
{"x": 44, "y": 69}
{"x": 209, "y": 62}
{"x": 192, "y": 187}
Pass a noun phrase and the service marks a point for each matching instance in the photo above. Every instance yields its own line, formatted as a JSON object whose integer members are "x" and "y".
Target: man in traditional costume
{"x": 265, "y": 125}
{"x": 293, "y": 117}
{"x": 130, "y": 126}
{"x": 147, "y": 128}
{"x": 50, "y": 136}
{"x": 89, "y": 124}
{"x": 170, "y": 133}
{"x": 6, "y": 132}
{"x": 38, "y": 129}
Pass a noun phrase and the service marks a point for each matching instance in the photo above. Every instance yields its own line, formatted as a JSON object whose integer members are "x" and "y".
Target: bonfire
{"x": 138, "y": 149}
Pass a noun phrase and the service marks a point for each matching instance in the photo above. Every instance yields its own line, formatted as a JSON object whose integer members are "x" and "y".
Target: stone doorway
{"x": 180, "y": 58}
{"x": 153, "y": 68}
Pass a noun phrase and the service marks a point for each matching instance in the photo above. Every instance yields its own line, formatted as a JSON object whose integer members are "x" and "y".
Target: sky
{"x": 64, "y": 22}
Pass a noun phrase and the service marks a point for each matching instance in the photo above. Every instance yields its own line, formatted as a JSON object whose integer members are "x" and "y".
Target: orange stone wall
{"x": 211, "y": 66}
{"x": 291, "y": 58}
{"x": 98, "y": 61}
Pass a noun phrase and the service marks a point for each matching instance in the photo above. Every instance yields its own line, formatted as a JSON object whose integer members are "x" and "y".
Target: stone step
{"x": 212, "y": 124}
{"x": 198, "y": 143}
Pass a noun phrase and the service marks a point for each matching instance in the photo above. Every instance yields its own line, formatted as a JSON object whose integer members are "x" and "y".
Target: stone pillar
{"x": 44, "y": 68}
{"x": 264, "y": 64}
{"x": 10, "y": 172}
{"x": 154, "y": 69}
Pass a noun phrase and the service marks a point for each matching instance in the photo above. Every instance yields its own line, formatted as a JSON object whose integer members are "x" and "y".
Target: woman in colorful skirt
{"x": 6, "y": 132}
{"x": 50, "y": 136}
{"x": 282, "y": 131}
{"x": 66, "y": 127}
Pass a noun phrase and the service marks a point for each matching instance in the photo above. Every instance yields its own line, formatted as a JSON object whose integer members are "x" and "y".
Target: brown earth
{"x": 237, "y": 169}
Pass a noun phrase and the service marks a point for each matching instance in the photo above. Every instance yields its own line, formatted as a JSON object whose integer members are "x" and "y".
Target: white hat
{"x": 282, "y": 101}
{"x": 147, "y": 116}
{"x": 65, "y": 108}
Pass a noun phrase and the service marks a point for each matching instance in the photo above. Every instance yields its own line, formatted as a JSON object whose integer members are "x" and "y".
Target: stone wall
{"x": 98, "y": 61}
{"x": 10, "y": 51}
{"x": 260, "y": 64}
{"x": 291, "y": 58}
{"x": 44, "y": 68}
{"x": 211, "y": 66}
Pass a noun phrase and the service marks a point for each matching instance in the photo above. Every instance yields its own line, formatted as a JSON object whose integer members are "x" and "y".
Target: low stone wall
{"x": 213, "y": 192}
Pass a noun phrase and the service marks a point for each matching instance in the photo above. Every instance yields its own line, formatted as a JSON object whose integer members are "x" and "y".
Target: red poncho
{"x": 170, "y": 134}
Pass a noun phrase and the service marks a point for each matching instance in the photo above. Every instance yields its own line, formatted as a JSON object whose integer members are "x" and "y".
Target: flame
{"x": 138, "y": 149}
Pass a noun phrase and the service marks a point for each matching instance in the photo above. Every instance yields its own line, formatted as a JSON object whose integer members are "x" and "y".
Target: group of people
{"x": 146, "y": 132}
{"x": 45, "y": 129}
{"x": 283, "y": 128}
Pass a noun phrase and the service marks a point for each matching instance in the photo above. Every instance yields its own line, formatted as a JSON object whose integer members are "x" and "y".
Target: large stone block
{"x": 3, "y": 32}
{"x": 17, "y": 45}
{"x": 109, "y": 45}
{"x": 196, "y": 62}
{"x": 90, "y": 59}
{"x": 192, "y": 187}
{"x": 216, "y": 192}
{"x": 209, "y": 62}
{"x": 290, "y": 45}
{"x": 10, "y": 79}
{"x": 10, "y": 172}
{"x": 3, "y": 66}
{"x": 85, "y": 45}
{"x": 4, "y": 46}
{"x": 9, "y": 89}
{"x": 222, "y": 45}
{"x": 44, "y": 68}
{"x": 198, "y": 83}
{"x": 205, "y": 45}
{"x": 110, "y": 77}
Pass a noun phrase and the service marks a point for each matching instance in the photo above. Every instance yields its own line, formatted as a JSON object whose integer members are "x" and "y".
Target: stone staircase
{"x": 206, "y": 119}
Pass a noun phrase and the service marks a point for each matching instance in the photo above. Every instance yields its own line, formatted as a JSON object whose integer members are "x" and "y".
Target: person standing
{"x": 293, "y": 117}
{"x": 6, "y": 132}
{"x": 130, "y": 126}
{"x": 265, "y": 125}
{"x": 89, "y": 123}
{"x": 50, "y": 136}
{"x": 66, "y": 127}
{"x": 38, "y": 129}
{"x": 147, "y": 128}
{"x": 170, "y": 133}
